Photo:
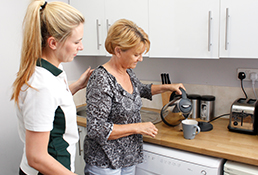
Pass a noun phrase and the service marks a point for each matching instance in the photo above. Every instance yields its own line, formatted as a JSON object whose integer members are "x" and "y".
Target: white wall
{"x": 218, "y": 72}
{"x": 11, "y": 13}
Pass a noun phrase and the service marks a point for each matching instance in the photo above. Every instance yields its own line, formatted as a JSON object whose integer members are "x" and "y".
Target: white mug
{"x": 190, "y": 128}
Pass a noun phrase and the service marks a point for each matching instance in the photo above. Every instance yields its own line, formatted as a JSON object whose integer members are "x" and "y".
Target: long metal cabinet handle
{"x": 98, "y": 42}
{"x": 209, "y": 32}
{"x": 79, "y": 142}
{"x": 108, "y": 25}
{"x": 226, "y": 32}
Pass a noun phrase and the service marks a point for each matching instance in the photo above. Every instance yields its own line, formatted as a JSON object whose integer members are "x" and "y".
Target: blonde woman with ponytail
{"x": 52, "y": 34}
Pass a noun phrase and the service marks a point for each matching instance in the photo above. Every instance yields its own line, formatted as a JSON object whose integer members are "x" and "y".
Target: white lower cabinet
{"x": 79, "y": 161}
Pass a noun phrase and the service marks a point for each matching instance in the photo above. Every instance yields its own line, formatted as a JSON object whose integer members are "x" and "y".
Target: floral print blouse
{"x": 108, "y": 104}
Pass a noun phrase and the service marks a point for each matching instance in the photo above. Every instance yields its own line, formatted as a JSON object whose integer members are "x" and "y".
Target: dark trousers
{"x": 22, "y": 173}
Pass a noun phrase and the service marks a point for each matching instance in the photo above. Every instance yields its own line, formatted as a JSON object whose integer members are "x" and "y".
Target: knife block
{"x": 165, "y": 97}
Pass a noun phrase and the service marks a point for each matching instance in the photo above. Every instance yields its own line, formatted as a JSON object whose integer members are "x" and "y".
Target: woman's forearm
{"x": 74, "y": 87}
{"x": 38, "y": 157}
{"x": 158, "y": 89}
{"x": 146, "y": 128}
{"x": 47, "y": 165}
{"x": 122, "y": 131}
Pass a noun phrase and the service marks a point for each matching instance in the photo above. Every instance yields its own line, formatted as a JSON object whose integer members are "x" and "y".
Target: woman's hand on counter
{"x": 147, "y": 128}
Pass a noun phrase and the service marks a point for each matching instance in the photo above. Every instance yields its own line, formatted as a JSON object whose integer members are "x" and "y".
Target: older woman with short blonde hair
{"x": 113, "y": 144}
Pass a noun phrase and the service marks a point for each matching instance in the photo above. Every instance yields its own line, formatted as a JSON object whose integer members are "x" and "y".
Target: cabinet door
{"x": 134, "y": 10}
{"x": 239, "y": 29}
{"x": 184, "y": 28}
{"x": 100, "y": 14}
{"x": 79, "y": 161}
{"x": 94, "y": 27}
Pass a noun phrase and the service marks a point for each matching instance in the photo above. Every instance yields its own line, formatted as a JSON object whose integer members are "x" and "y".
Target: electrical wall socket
{"x": 247, "y": 73}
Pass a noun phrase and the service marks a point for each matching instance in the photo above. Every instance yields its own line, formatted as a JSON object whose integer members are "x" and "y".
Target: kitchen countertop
{"x": 81, "y": 121}
{"x": 218, "y": 142}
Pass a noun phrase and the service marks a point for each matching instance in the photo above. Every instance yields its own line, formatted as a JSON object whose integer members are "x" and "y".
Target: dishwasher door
{"x": 140, "y": 171}
{"x": 160, "y": 160}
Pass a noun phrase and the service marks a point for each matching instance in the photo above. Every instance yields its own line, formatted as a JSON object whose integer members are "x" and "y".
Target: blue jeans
{"x": 93, "y": 170}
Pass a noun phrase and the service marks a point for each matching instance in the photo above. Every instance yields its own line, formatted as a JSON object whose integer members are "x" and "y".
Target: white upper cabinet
{"x": 94, "y": 26}
{"x": 184, "y": 28}
{"x": 134, "y": 10}
{"x": 201, "y": 29}
{"x": 100, "y": 14}
{"x": 239, "y": 29}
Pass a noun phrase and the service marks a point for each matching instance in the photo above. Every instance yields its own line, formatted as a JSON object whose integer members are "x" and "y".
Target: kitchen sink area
{"x": 81, "y": 111}
{"x": 146, "y": 115}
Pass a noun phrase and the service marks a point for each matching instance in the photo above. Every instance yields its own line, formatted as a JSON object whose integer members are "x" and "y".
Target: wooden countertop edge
{"x": 80, "y": 105}
{"x": 81, "y": 121}
{"x": 200, "y": 150}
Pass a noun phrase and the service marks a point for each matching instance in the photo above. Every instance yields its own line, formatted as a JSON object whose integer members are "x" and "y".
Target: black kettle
{"x": 176, "y": 110}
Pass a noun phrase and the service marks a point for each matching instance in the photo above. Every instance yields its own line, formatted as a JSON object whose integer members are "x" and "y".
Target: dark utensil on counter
{"x": 176, "y": 110}
{"x": 168, "y": 79}
{"x": 165, "y": 78}
{"x": 162, "y": 78}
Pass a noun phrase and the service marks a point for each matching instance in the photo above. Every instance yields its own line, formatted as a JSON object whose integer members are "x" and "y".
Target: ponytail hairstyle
{"x": 42, "y": 20}
{"x": 126, "y": 35}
